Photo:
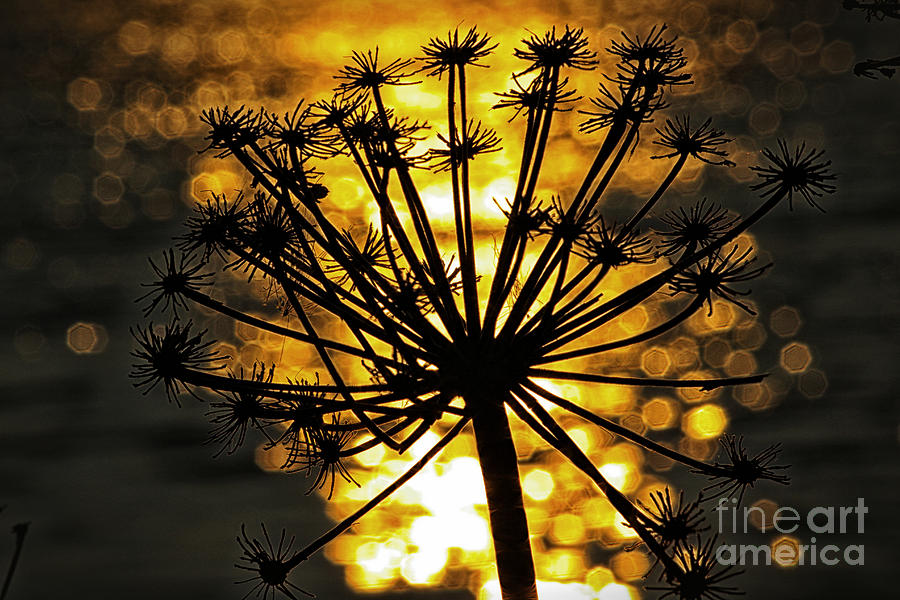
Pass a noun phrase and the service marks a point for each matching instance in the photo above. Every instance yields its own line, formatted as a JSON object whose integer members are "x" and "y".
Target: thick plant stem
{"x": 509, "y": 527}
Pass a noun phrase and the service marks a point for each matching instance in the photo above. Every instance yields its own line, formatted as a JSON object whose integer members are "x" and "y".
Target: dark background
{"x": 123, "y": 499}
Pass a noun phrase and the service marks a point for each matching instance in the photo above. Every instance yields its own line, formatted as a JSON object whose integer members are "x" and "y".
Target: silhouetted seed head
{"x": 702, "y": 143}
{"x": 213, "y": 228}
{"x": 476, "y": 141}
{"x": 535, "y": 97}
{"x": 300, "y": 133}
{"x": 744, "y": 471}
{"x": 701, "y": 577}
{"x": 230, "y": 131}
{"x": 699, "y": 226}
{"x": 291, "y": 172}
{"x": 653, "y": 49}
{"x": 552, "y": 51}
{"x": 322, "y": 451}
{"x": 673, "y": 523}
{"x": 614, "y": 247}
{"x": 173, "y": 279}
{"x": 239, "y": 410}
{"x": 366, "y": 258}
{"x": 612, "y": 109}
{"x": 363, "y": 125}
{"x": 301, "y": 413}
{"x": 268, "y": 232}
{"x": 336, "y": 112}
{"x": 366, "y": 74}
{"x": 569, "y": 228}
{"x": 650, "y": 63}
{"x": 716, "y": 275}
{"x": 167, "y": 357}
{"x": 366, "y": 129}
{"x": 800, "y": 171}
{"x": 529, "y": 221}
{"x": 441, "y": 55}
{"x": 269, "y": 563}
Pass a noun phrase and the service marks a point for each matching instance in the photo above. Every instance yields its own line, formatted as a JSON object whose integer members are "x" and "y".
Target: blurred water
{"x": 123, "y": 498}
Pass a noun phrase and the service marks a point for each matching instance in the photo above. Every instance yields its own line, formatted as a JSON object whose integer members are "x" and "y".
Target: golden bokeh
{"x": 86, "y": 338}
{"x": 785, "y": 551}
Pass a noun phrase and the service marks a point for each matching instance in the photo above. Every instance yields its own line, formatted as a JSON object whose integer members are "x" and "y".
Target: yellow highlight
{"x": 599, "y": 578}
{"x": 538, "y": 484}
{"x": 598, "y": 513}
{"x": 424, "y": 568}
{"x": 705, "y": 422}
{"x": 616, "y": 474}
{"x": 617, "y": 591}
{"x": 567, "y": 529}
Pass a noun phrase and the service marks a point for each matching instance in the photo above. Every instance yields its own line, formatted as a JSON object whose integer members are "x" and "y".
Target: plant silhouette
{"x": 441, "y": 352}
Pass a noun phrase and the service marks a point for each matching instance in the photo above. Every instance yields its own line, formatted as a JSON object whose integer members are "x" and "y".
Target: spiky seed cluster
{"x": 435, "y": 346}
{"x": 618, "y": 107}
{"x": 742, "y": 471}
{"x": 368, "y": 257}
{"x": 614, "y": 246}
{"x": 696, "y": 227}
{"x": 702, "y": 143}
{"x": 300, "y": 133}
{"x": 174, "y": 278}
{"x": 473, "y": 142}
{"x": 553, "y": 51}
{"x": 322, "y": 452}
{"x": 239, "y": 410}
{"x": 674, "y": 522}
{"x": 366, "y": 74}
{"x": 652, "y": 63}
{"x": 441, "y": 55}
{"x": 800, "y": 170}
{"x": 213, "y": 228}
{"x": 528, "y": 223}
{"x": 700, "y": 576}
{"x": 270, "y": 565}
{"x": 717, "y": 275}
{"x": 168, "y": 357}
{"x": 384, "y": 142}
{"x": 231, "y": 131}
{"x": 532, "y": 98}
